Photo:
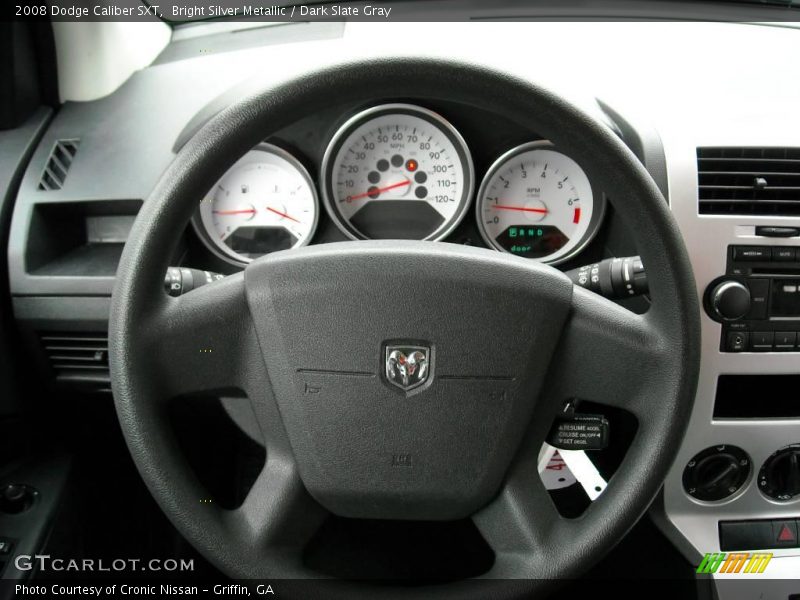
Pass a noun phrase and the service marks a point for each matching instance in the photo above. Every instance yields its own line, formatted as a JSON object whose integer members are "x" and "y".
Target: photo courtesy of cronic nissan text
{"x": 400, "y": 299}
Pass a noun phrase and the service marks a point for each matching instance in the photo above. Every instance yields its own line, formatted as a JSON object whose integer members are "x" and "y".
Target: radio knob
{"x": 730, "y": 300}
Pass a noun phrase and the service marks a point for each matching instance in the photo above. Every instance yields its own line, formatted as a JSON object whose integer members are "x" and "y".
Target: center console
{"x": 735, "y": 485}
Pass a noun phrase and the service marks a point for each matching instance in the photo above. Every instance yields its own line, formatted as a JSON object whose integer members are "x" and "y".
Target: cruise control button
{"x": 752, "y": 253}
{"x": 762, "y": 340}
{"x": 784, "y": 534}
{"x": 785, "y": 340}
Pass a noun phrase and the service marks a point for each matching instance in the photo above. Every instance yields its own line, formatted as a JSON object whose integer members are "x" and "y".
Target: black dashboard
{"x": 65, "y": 240}
{"x": 98, "y": 161}
{"x": 69, "y": 246}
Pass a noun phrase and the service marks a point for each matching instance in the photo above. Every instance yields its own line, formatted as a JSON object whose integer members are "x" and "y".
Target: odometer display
{"x": 397, "y": 172}
{"x": 537, "y": 203}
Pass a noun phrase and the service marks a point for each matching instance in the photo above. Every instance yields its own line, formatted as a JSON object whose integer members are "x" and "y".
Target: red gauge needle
{"x": 244, "y": 211}
{"x": 284, "y": 215}
{"x": 379, "y": 190}
{"x": 542, "y": 211}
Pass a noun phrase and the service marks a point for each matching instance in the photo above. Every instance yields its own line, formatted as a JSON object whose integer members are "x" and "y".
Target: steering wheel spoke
{"x": 278, "y": 517}
{"x": 607, "y": 354}
{"x": 519, "y": 525}
{"x": 204, "y": 341}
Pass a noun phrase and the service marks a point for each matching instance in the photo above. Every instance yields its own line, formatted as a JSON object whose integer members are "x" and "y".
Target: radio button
{"x": 761, "y": 341}
{"x": 782, "y": 254}
{"x": 752, "y": 253}
{"x": 759, "y": 292}
{"x": 785, "y": 340}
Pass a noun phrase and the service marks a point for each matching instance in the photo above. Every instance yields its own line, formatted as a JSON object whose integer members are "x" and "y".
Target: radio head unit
{"x": 758, "y": 299}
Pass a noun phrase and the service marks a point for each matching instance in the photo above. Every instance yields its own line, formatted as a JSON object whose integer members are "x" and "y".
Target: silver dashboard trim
{"x": 706, "y": 238}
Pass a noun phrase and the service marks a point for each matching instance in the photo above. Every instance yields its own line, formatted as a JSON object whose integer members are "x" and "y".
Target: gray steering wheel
{"x": 304, "y": 335}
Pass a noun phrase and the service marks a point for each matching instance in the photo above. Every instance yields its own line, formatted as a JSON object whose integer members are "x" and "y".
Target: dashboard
{"x": 341, "y": 175}
{"x": 401, "y": 171}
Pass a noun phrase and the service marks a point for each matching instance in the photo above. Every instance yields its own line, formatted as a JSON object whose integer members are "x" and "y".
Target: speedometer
{"x": 264, "y": 203}
{"x": 538, "y": 203}
{"x": 397, "y": 171}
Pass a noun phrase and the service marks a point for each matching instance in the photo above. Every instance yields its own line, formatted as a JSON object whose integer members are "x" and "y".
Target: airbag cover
{"x": 366, "y": 445}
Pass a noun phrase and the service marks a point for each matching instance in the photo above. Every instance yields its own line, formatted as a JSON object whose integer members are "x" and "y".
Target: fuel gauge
{"x": 265, "y": 202}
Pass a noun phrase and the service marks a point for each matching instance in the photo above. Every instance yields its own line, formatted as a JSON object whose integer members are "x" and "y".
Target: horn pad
{"x": 406, "y": 372}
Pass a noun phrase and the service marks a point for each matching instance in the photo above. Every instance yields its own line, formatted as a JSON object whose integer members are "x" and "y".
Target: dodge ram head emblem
{"x": 407, "y": 366}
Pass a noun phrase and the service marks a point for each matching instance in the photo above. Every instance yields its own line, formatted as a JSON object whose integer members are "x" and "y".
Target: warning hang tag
{"x": 557, "y": 475}
{"x": 579, "y": 432}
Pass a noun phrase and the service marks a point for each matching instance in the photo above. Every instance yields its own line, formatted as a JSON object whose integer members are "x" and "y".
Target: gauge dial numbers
{"x": 264, "y": 203}
{"x": 397, "y": 171}
{"x": 538, "y": 203}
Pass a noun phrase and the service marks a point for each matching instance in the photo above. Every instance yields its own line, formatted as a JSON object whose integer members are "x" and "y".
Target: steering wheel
{"x": 304, "y": 334}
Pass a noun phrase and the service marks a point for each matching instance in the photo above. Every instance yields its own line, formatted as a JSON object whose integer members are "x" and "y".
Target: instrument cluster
{"x": 402, "y": 171}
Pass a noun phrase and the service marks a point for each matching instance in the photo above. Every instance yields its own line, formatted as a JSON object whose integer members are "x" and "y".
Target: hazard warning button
{"x": 784, "y": 534}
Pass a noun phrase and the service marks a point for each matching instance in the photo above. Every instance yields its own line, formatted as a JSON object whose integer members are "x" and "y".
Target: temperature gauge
{"x": 264, "y": 203}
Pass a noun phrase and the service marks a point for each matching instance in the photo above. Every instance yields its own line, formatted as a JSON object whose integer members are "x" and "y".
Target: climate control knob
{"x": 716, "y": 473}
{"x": 730, "y": 300}
{"x": 779, "y": 477}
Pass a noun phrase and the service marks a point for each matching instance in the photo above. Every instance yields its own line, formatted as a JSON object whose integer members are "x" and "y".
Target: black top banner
{"x": 280, "y": 11}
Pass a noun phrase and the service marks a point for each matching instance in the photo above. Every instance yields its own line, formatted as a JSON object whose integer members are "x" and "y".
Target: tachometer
{"x": 397, "y": 171}
{"x": 538, "y": 203}
{"x": 265, "y": 202}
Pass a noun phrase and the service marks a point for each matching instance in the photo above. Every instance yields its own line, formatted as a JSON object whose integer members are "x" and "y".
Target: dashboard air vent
{"x": 77, "y": 357}
{"x": 55, "y": 172}
{"x": 749, "y": 181}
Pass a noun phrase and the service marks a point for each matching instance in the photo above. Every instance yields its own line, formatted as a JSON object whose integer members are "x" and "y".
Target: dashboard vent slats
{"x": 57, "y": 167}
{"x": 77, "y": 356}
{"x": 749, "y": 181}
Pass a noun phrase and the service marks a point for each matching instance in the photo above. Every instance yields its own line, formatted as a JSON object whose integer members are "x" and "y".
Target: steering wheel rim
{"x": 646, "y": 364}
